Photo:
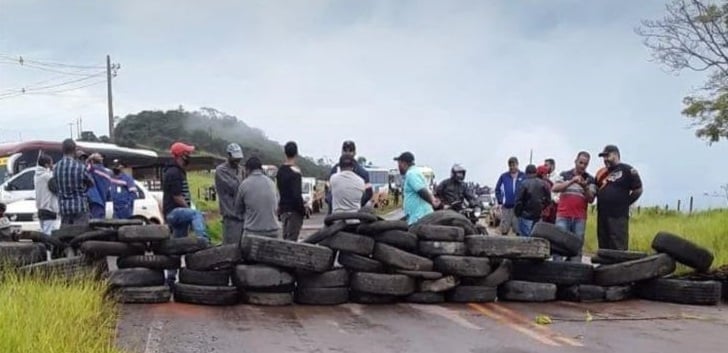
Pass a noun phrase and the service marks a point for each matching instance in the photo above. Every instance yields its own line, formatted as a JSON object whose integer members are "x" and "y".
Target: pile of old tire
{"x": 205, "y": 279}
{"x": 21, "y": 248}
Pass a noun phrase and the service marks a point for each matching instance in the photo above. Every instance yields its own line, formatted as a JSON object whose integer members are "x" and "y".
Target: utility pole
{"x": 530, "y": 158}
{"x": 70, "y": 129}
{"x": 109, "y": 97}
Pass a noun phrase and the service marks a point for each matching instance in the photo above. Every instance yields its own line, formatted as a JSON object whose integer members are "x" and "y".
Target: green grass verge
{"x": 198, "y": 183}
{"x": 50, "y": 315}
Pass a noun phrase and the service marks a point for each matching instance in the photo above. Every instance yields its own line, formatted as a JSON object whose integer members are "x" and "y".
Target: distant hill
{"x": 210, "y": 131}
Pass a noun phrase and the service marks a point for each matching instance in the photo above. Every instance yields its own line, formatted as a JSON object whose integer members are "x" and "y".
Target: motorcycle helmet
{"x": 457, "y": 172}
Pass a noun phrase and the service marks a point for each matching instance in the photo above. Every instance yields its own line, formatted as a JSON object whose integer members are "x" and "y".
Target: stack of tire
{"x": 21, "y": 250}
{"x": 206, "y": 277}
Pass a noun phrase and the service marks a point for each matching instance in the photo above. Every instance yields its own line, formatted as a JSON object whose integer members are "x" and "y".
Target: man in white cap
{"x": 228, "y": 176}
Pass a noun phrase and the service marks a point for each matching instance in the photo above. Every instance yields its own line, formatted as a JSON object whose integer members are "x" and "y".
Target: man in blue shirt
{"x": 72, "y": 181}
{"x": 349, "y": 149}
{"x": 123, "y": 192}
{"x": 418, "y": 200}
{"x": 505, "y": 195}
{"x": 98, "y": 194}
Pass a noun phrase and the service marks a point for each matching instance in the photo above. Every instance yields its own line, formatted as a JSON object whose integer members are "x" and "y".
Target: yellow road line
{"x": 526, "y": 321}
{"x": 520, "y": 328}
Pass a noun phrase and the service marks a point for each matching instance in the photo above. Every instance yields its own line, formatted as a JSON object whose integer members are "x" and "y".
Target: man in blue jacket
{"x": 98, "y": 194}
{"x": 505, "y": 194}
{"x": 123, "y": 192}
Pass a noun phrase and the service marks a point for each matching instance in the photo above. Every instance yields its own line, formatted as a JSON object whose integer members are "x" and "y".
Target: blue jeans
{"x": 525, "y": 226}
{"x": 574, "y": 225}
{"x": 180, "y": 220}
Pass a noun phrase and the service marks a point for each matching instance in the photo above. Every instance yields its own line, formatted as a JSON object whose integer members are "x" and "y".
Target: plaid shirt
{"x": 70, "y": 176}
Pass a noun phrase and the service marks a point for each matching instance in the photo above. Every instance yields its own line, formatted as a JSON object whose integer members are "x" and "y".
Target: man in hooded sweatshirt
{"x": 46, "y": 200}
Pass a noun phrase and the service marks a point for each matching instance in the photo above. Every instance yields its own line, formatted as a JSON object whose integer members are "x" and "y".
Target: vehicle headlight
{"x": 477, "y": 213}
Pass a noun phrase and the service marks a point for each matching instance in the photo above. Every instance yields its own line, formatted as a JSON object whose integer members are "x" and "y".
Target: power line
{"x": 55, "y": 85}
{"x": 22, "y": 60}
{"x": 56, "y": 92}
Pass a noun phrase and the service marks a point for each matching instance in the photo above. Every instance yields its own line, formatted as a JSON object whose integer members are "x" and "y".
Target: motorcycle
{"x": 471, "y": 212}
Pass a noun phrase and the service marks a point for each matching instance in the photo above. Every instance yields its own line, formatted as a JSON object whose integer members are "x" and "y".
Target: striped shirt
{"x": 71, "y": 178}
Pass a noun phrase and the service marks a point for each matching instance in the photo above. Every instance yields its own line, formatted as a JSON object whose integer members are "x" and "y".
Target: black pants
{"x": 613, "y": 232}
{"x": 292, "y": 224}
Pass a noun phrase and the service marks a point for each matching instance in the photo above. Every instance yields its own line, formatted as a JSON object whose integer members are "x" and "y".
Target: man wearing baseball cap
{"x": 177, "y": 200}
{"x": 619, "y": 186}
{"x": 228, "y": 176}
{"x": 349, "y": 148}
{"x": 418, "y": 200}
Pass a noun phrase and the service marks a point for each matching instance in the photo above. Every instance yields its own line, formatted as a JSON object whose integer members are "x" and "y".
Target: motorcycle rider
{"x": 453, "y": 190}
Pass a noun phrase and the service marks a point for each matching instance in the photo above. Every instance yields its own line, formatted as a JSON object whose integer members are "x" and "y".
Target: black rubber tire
{"x": 521, "y": 291}
{"x": 325, "y": 232}
{"x": 437, "y": 248}
{"x": 147, "y": 233}
{"x": 439, "y": 233}
{"x": 103, "y": 234}
{"x": 330, "y": 279}
{"x": 442, "y": 217}
{"x": 585, "y": 293}
{"x": 268, "y": 299}
{"x": 260, "y": 276}
{"x": 114, "y": 223}
{"x": 566, "y": 242}
{"x": 466, "y": 225}
{"x": 499, "y": 276}
{"x": 618, "y": 293}
{"x": 683, "y": 251}
{"x": 508, "y": 246}
{"x": 350, "y": 242}
{"x": 68, "y": 232}
{"x": 363, "y": 217}
{"x": 98, "y": 248}
{"x": 617, "y": 256}
{"x": 16, "y": 254}
{"x": 603, "y": 261}
{"x": 680, "y": 291}
{"x": 358, "y": 263}
{"x": 154, "y": 262}
{"x": 465, "y": 266}
{"x": 425, "y": 298}
{"x": 322, "y": 296}
{"x": 383, "y": 284}
{"x": 136, "y": 277}
{"x": 401, "y": 259}
{"x": 214, "y": 258}
{"x": 426, "y": 275}
{"x": 443, "y": 284}
{"x": 368, "y": 298}
{"x": 556, "y": 272}
{"x": 287, "y": 254}
{"x": 472, "y": 294}
{"x": 143, "y": 295}
{"x": 397, "y": 238}
{"x": 217, "y": 278}
{"x": 38, "y": 237}
{"x": 634, "y": 271}
{"x": 205, "y": 295}
{"x": 180, "y": 246}
{"x": 381, "y": 227}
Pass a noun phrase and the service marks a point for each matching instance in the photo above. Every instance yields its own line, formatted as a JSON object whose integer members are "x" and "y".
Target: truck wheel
{"x": 204, "y": 295}
{"x": 508, "y": 247}
{"x": 634, "y": 271}
{"x": 288, "y": 254}
{"x": 567, "y": 243}
{"x": 556, "y": 272}
{"x": 205, "y": 278}
{"x": 683, "y": 251}
{"x": 681, "y": 291}
{"x": 214, "y": 258}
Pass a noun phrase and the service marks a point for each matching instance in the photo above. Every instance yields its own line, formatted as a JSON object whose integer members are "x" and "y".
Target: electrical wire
{"x": 21, "y": 60}
{"x": 52, "y": 93}
{"x": 55, "y": 85}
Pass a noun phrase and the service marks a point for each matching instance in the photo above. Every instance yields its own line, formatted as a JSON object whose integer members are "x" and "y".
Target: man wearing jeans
{"x": 505, "y": 195}
{"x": 176, "y": 202}
{"x": 228, "y": 177}
{"x": 578, "y": 190}
{"x": 73, "y": 182}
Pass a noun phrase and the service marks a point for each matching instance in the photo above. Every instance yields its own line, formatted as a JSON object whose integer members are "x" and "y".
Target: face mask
{"x": 186, "y": 160}
{"x": 116, "y": 170}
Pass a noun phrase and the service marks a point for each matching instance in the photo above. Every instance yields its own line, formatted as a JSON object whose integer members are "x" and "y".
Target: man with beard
{"x": 578, "y": 190}
{"x": 228, "y": 177}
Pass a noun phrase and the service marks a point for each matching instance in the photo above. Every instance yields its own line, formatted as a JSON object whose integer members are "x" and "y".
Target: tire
{"x": 325, "y": 232}
{"x": 98, "y": 248}
{"x": 466, "y": 225}
{"x": 472, "y": 294}
{"x": 368, "y": 298}
{"x": 104, "y": 234}
{"x": 603, "y": 261}
{"x": 205, "y": 295}
{"x": 38, "y": 237}
{"x": 436, "y": 248}
{"x": 136, "y": 277}
{"x": 362, "y": 217}
{"x": 68, "y": 232}
{"x": 501, "y": 275}
{"x": 287, "y": 254}
{"x": 520, "y": 291}
{"x": 618, "y": 293}
{"x": 180, "y": 246}
{"x": 260, "y": 276}
{"x": 358, "y": 263}
{"x": 268, "y": 299}
{"x": 383, "y": 284}
{"x": 425, "y": 298}
{"x": 464, "y": 266}
{"x": 397, "y": 238}
{"x": 381, "y": 227}
{"x": 350, "y": 242}
{"x": 567, "y": 243}
{"x": 683, "y": 251}
{"x": 442, "y": 217}
{"x": 439, "y": 233}
{"x": 114, "y": 223}
{"x": 634, "y": 271}
{"x": 556, "y": 272}
{"x": 617, "y": 256}
{"x": 71, "y": 267}
{"x": 143, "y": 295}
{"x": 218, "y": 278}
{"x": 426, "y": 275}
{"x": 154, "y": 262}
{"x": 152, "y": 232}
{"x": 401, "y": 259}
{"x": 439, "y": 285}
{"x": 508, "y": 247}
{"x": 585, "y": 293}
{"x": 322, "y": 296}
{"x": 16, "y": 254}
{"x": 330, "y": 279}
{"x": 681, "y": 291}
{"x": 215, "y": 258}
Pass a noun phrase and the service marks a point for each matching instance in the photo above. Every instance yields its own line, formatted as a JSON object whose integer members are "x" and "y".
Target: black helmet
{"x": 348, "y": 146}
{"x": 457, "y": 172}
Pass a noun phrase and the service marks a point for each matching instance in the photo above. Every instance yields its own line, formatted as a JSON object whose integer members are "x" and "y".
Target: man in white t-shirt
{"x": 347, "y": 187}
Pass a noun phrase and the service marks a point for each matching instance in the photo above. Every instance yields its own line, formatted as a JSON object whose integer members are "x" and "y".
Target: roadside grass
{"x": 389, "y": 207}
{"x": 41, "y": 314}
{"x": 198, "y": 183}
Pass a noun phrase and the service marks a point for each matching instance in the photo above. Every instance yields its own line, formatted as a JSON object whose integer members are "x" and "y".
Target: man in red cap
{"x": 176, "y": 202}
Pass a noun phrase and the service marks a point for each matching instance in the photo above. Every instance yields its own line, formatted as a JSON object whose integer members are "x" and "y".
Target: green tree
{"x": 693, "y": 35}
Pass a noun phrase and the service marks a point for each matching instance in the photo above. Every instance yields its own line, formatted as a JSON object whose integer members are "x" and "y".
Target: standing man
{"x": 123, "y": 191}
{"x": 228, "y": 177}
{"x": 256, "y": 202}
{"x": 549, "y": 212}
{"x": 505, "y": 195}
{"x": 177, "y": 200}
{"x": 620, "y": 186}
{"x": 418, "y": 200}
{"x": 551, "y": 164}
{"x": 98, "y": 194}
{"x": 578, "y": 190}
{"x": 531, "y": 198}
{"x": 46, "y": 200}
{"x": 290, "y": 207}
{"x": 73, "y": 181}
{"x": 349, "y": 148}
{"x": 347, "y": 188}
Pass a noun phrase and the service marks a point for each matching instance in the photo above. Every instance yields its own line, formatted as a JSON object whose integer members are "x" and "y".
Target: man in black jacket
{"x": 531, "y": 198}
{"x": 291, "y": 207}
{"x": 453, "y": 189}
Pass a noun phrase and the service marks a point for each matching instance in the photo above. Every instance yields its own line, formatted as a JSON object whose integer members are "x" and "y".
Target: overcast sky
{"x": 472, "y": 82}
